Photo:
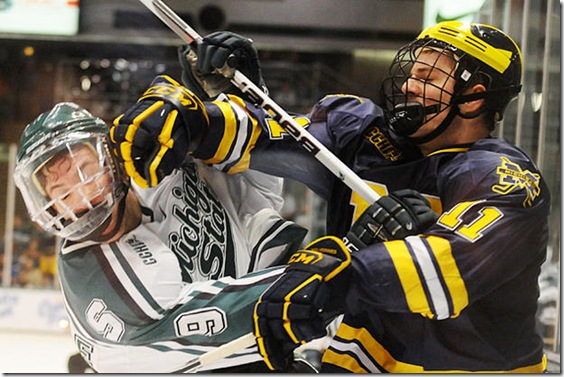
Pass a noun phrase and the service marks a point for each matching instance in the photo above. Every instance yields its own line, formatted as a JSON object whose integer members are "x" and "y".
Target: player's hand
{"x": 153, "y": 136}
{"x": 218, "y": 50}
{"x": 290, "y": 312}
{"x": 392, "y": 217}
{"x": 224, "y": 47}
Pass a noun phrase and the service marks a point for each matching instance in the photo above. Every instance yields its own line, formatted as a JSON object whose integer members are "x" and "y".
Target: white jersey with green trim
{"x": 178, "y": 285}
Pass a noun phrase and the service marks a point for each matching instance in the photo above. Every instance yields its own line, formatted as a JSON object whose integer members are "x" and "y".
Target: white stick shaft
{"x": 221, "y": 352}
{"x": 324, "y": 155}
{"x": 172, "y": 20}
{"x": 306, "y": 140}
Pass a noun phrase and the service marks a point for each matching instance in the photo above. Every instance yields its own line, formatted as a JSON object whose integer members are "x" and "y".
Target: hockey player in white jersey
{"x": 153, "y": 277}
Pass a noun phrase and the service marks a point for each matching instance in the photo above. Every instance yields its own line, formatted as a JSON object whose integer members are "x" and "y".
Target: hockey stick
{"x": 311, "y": 144}
{"x": 306, "y": 140}
{"x": 220, "y": 353}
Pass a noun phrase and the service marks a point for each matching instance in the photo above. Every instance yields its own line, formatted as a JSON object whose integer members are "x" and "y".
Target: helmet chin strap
{"x": 409, "y": 117}
{"x": 453, "y": 112}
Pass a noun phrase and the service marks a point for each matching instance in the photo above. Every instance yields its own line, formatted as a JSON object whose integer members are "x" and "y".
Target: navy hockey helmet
{"x": 481, "y": 53}
{"x": 66, "y": 173}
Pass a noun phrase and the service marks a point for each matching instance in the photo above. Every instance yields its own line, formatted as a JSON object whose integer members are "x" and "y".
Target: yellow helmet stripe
{"x": 458, "y": 34}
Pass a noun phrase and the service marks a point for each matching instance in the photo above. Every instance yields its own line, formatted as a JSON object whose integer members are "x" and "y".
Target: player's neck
{"x": 131, "y": 218}
{"x": 461, "y": 131}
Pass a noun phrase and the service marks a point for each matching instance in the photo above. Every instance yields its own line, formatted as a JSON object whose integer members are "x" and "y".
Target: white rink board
{"x": 34, "y": 352}
{"x": 34, "y": 334}
{"x": 32, "y": 309}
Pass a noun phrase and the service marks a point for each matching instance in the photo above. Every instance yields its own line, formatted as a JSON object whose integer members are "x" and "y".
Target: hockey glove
{"x": 217, "y": 49}
{"x": 205, "y": 86}
{"x": 392, "y": 217}
{"x": 153, "y": 136}
{"x": 294, "y": 309}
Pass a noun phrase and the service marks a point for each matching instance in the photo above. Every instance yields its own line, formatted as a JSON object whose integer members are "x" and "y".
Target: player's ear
{"x": 467, "y": 109}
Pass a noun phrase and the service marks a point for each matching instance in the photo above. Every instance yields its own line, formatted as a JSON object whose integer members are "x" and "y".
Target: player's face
{"x": 71, "y": 176}
{"x": 431, "y": 83}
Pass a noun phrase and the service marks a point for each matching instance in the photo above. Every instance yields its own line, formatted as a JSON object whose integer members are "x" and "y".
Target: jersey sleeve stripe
{"x": 377, "y": 352}
{"x": 230, "y": 126}
{"x": 450, "y": 273}
{"x": 117, "y": 283}
{"x": 258, "y": 278}
{"x": 245, "y": 157}
{"x": 406, "y": 270}
{"x": 130, "y": 284}
{"x": 357, "y": 353}
{"x": 135, "y": 279}
{"x": 431, "y": 277}
{"x": 254, "y": 131}
{"x": 343, "y": 360}
{"x": 240, "y": 132}
{"x": 347, "y": 334}
{"x": 239, "y": 143}
{"x": 259, "y": 248}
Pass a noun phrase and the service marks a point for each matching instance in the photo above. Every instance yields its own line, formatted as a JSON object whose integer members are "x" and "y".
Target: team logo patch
{"x": 512, "y": 177}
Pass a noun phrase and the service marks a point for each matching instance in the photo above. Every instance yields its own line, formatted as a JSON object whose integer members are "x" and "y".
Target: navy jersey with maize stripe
{"x": 178, "y": 285}
{"x": 460, "y": 297}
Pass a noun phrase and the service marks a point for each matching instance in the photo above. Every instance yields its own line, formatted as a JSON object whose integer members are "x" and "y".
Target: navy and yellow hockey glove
{"x": 217, "y": 49}
{"x": 153, "y": 136}
{"x": 398, "y": 215}
{"x": 297, "y": 306}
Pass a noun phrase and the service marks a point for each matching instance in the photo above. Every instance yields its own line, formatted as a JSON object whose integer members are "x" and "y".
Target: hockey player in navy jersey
{"x": 460, "y": 296}
{"x": 151, "y": 278}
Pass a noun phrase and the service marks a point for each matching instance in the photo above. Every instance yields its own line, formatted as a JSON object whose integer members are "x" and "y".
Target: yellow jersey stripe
{"x": 388, "y": 362}
{"x": 343, "y": 361}
{"x": 229, "y": 134}
{"x": 377, "y": 351}
{"x": 430, "y": 278}
{"x": 451, "y": 274}
{"x": 245, "y": 160}
{"x": 406, "y": 270}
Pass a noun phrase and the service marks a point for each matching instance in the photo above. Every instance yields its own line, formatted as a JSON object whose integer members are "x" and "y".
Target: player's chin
{"x": 426, "y": 128}
{"x": 420, "y": 132}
